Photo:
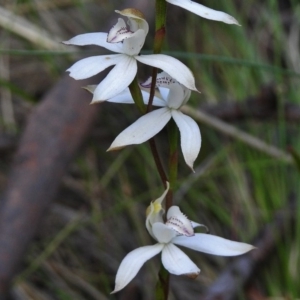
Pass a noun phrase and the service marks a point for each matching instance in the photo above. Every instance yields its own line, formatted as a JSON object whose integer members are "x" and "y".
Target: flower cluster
{"x": 173, "y": 88}
{"x": 177, "y": 230}
{"x": 127, "y": 41}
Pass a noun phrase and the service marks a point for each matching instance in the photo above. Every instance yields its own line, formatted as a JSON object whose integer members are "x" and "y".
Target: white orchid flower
{"x": 204, "y": 11}
{"x": 179, "y": 230}
{"x": 172, "y": 96}
{"x": 127, "y": 41}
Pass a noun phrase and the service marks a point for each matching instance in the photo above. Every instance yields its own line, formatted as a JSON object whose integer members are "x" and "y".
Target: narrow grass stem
{"x": 236, "y": 133}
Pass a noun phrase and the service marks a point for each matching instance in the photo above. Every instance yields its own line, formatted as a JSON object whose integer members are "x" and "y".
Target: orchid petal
{"x": 163, "y": 79}
{"x": 194, "y": 224}
{"x": 163, "y": 233}
{"x": 93, "y": 65}
{"x": 94, "y": 38}
{"x": 204, "y": 11}
{"x": 143, "y": 129}
{"x": 119, "y": 32}
{"x": 155, "y": 211}
{"x": 176, "y": 95}
{"x": 179, "y": 222}
{"x": 133, "y": 45}
{"x": 125, "y": 97}
{"x": 117, "y": 80}
{"x": 132, "y": 263}
{"x": 190, "y": 136}
{"x": 164, "y": 93}
{"x": 136, "y": 19}
{"x": 212, "y": 244}
{"x": 172, "y": 66}
{"x": 156, "y": 100}
{"x": 177, "y": 262}
{"x": 90, "y": 88}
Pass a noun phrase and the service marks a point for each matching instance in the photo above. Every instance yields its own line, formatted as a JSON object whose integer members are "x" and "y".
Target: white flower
{"x": 127, "y": 41}
{"x": 176, "y": 230}
{"x": 173, "y": 96}
{"x": 204, "y": 11}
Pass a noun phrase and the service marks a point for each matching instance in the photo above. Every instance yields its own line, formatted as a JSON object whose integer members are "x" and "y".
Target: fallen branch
{"x": 54, "y": 132}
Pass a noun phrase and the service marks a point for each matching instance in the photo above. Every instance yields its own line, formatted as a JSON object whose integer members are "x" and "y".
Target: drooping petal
{"x": 172, "y": 66}
{"x": 204, "y": 11}
{"x": 117, "y": 80}
{"x": 93, "y": 65}
{"x": 177, "y": 262}
{"x": 162, "y": 233}
{"x": 212, "y": 244}
{"x": 190, "y": 137}
{"x": 133, "y": 45}
{"x": 119, "y": 32}
{"x": 143, "y": 129}
{"x": 132, "y": 263}
{"x": 94, "y": 38}
{"x": 179, "y": 222}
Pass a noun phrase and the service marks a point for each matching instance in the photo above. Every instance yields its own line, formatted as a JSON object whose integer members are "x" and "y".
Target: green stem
{"x": 160, "y": 21}
{"x": 173, "y": 161}
{"x": 152, "y": 89}
{"x": 160, "y": 32}
{"x": 137, "y": 95}
{"x": 158, "y": 163}
{"x": 162, "y": 286}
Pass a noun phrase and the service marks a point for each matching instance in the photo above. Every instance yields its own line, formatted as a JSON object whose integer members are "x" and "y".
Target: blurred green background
{"x": 99, "y": 214}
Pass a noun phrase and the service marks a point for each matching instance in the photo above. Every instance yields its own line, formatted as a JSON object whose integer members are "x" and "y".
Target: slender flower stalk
{"x": 160, "y": 32}
{"x": 162, "y": 286}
